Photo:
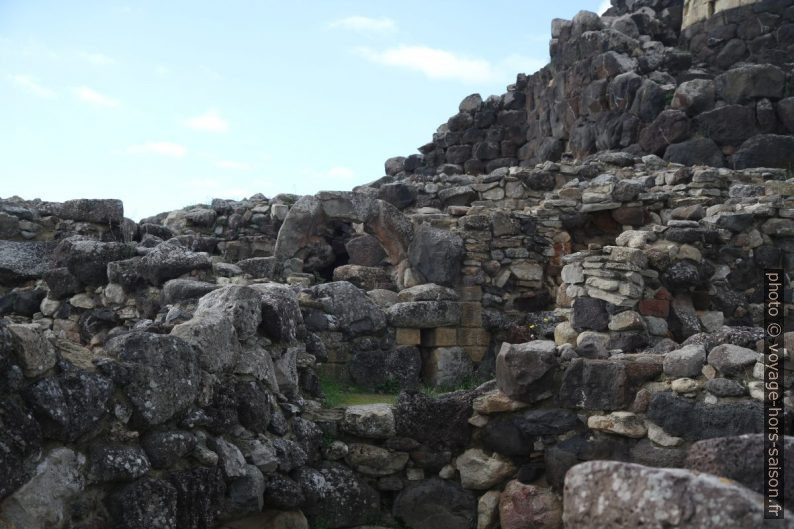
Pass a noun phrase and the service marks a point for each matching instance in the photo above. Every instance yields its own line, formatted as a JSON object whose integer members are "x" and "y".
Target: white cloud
{"x": 365, "y": 24}
{"x": 210, "y": 121}
{"x": 88, "y": 95}
{"x": 235, "y": 166}
{"x": 163, "y": 148}
{"x": 99, "y": 59}
{"x": 30, "y": 84}
{"x": 603, "y": 6}
{"x": 442, "y": 64}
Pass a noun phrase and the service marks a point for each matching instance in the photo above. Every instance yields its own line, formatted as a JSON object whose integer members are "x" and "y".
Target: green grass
{"x": 339, "y": 394}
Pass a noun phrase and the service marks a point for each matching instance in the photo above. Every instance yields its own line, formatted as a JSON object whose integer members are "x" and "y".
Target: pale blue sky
{"x": 170, "y": 103}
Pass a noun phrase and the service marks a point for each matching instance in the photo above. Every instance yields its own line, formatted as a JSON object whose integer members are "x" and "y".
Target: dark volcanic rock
{"x": 335, "y": 497}
{"x": 436, "y": 254}
{"x": 165, "y": 448}
{"x": 159, "y": 373}
{"x": 70, "y": 404}
{"x": 436, "y": 421}
{"x": 682, "y": 417}
{"x": 514, "y": 434}
{"x": 20, "y": 261}
{"x": 606, "y": 384}
{"x": 110, "y": 462}
{"x": 436, "y": 504}
{"x": 146, "y": 504}
{"x": 20, "y": 436}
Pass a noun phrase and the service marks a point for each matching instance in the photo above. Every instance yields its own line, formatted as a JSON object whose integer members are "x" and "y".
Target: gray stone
{"x": 436, "y": 254}
{"x": 436, "y": 504}
{"x": 34, "y": 350}
{"x": 685, "y": 362}
{"x": 525, "y": 372}
{"x": 370, "y": 421}
{"x": 20, "y": 261}
{"x": 159, "y": 373}
{"x": 750, "y": 82}
{"x": 598, "y": 493}
{"x": 731, "y": 359}
{"x": 43, "y": 502}
{"x": 424, "y": 314}
{"x": 99, "y": 211}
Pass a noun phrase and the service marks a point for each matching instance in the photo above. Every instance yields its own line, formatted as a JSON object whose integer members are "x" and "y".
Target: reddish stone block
{"x": 655, "y": 307}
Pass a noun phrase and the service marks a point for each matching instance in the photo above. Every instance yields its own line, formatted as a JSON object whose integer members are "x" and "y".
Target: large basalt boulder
{"x": 177, "y": 290}
{"x": 335, "y": 497}
{"x": 100, "y": 211}
{"x": 282, "y": 320}
{"x": 751, "y": 81}
{"x": 436, "y": 254}
{"x": 740, "y": 458}
{"x": 148, "y": 503}
{"x": 353, "y": 311}
{"x": 213, "y": 337}
{"x": 607, "y": 384}
{"x": 514, "y": 434}
{"x": 681, "y": 417}
{"x": 441, "y": 421}
{"x": 199, "y": 496}
{"x": 21, "y": 261}
{"x": 697, "y": 151}
{"x": 765, "y": 150}
{"x": 88, "y": 259}
{"x": 522, "y": 506}
{"x": 623, "y": 495}
{"x": 44, "y": 501}
{"x": 525, "y": 372}
{"x": 424, "y": 314}
{"x": 365, "y": 250}
{"x": 21, "y": 437}
{"x": 70, "y": 404}
{"x": 241, "y": 304}
{"x": 436, "y": 504}
{"x": 370, "y": 421}
{"x": 159, "y": 374}
{"x": 170, "y": 260}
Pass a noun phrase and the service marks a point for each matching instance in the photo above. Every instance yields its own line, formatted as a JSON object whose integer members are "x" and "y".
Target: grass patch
{"x": 338, "y": 394}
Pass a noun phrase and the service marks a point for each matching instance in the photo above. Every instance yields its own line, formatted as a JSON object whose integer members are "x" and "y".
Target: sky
{"x": 165, "y": 104}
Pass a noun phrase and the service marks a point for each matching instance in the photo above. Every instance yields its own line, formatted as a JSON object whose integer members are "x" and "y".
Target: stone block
{"x": 471, "y": 314}
{"x": 405, "y": 336}
{"x": 440, "y": 337}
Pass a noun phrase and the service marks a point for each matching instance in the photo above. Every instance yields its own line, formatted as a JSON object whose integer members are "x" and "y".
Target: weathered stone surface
{"x": 515, "y": 434}
{"x": 479, "y": 471}
{"x": 427, "y": 292}
{"x": 606, "y": 384}
{"x": 159, "y": 374}
{"x": 685, "y": 362}
{"x": 88, "y": 260}
{"x": 589, "y": 314}
{"x": 374, "y": 460}
{"x": 731, "y": 359}
{"x": 440, "y": 421}
{"x": 354, "y": 312}
{"x": 44, "y": 501}
{"x": 370, "y": 421}
{"x": 424, "y": 314}
{"x": 739, "y": 458}
{"x": 100, "y": 211}
{"x": 525, "y": 372}
{"x": 69, "y": 404}
{"x": 619, "y": 422}
{"x": 436, "y": 254}
{"x": 20, "y": 261}
{"x": 522, "y": 506}
{"x": 242, "y": 305}
{"x": 682, "y": 417}
{"x": 165, "y": 448}
{"x": 765, "y": 150}
{"x": 615, "y": 494}
{"x": 436, "y": 504}
{"x": 751, "y": 81}
{"x": 34, "y": 350}
{"x": 115, "y": 462}
{"x": 177, "y": 290}
{"x": 145, "y": 504}
{"x": 335, "y": 497}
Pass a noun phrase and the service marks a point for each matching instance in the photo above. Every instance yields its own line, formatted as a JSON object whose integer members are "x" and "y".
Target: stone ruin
{"x": 564, "y": 287}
